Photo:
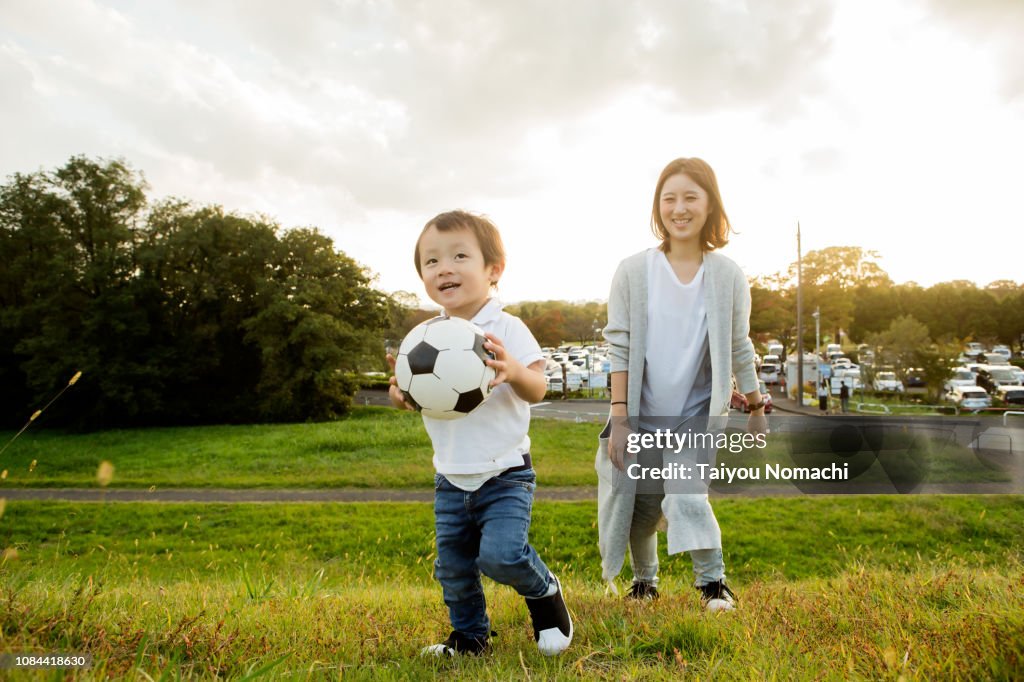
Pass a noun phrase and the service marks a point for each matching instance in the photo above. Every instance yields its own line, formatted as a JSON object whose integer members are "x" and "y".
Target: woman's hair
{"x": 486, "y": 234}
{"x": 715, "y": 233}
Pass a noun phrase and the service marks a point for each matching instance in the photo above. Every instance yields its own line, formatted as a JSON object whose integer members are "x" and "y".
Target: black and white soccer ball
{"x": 441, "y": 367}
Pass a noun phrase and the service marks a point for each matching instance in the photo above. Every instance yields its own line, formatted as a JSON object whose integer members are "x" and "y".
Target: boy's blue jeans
{"x": 485, "y": 531}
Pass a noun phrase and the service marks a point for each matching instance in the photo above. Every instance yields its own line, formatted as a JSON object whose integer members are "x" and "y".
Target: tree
{"x": 846, "y": 267}
{"x": 320, "y": 322}
{"x": 70, "y": 239}
{"x": 174, "y": 314}
{"x": 904, "y": 339}
{"x": 772, "y": 313}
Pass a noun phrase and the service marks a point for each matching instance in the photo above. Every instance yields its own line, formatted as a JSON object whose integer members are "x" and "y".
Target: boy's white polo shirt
{"x": 494, "y": 436}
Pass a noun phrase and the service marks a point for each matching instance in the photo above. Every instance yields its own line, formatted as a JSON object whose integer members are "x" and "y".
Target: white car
{"x": 961, "y": 377}
{"x": 1002, "y": 350}
{"x": 851, "y": 373}
{"x": 1009, "y": 396}
{"x": 973, "y": 348}
{"x": 769, "y": 373}
{"x": 887, "y": 382}
{"x": 970, "y": 398}
{"x": 996, "y": 359}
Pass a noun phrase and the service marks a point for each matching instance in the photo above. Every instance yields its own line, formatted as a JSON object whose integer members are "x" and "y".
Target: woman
{"x": 678, "y": 328}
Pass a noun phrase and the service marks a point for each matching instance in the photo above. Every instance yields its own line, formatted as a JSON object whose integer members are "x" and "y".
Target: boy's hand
{"x": 506, "y": 367}
{"x": 394, "y": 393}
{"x": 527, "y": 382}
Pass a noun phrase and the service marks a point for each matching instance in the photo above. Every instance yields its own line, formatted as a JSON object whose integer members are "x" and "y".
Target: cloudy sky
{"x": 895, "y": 125}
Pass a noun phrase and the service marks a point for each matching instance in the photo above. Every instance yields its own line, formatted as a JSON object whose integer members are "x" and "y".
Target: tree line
{"x": 173, "y": 313}
{"x": 858, "y": 300}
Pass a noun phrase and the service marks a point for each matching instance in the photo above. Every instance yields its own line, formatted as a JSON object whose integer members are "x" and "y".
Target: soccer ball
{"x": 441, "y": 367}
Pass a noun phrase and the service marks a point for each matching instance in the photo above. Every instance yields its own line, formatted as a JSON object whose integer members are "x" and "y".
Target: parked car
{"x": 1003, "y": 351}
{"x": 990, "y": 377}
{"x": 969, "y": 397}
{"x": 961, "y": 377}
{"x": 973, "y": 348}
{"x": 555, "y": 384}
{"x": 851, "y": 372}
{"x": 887, "y": 382}
{"x": 995, "y": 359}
{"x": 739, "y": 401}
{"x": 914, "y": 378}
{"x": 769, "y": 373}
{"x": 1008, "y": 395}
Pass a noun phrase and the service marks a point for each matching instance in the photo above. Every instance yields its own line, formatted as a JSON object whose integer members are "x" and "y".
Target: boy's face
{"x": 454, "y": 272}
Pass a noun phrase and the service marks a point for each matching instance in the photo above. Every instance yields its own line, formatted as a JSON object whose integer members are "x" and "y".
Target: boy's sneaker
{"x": 642, "y": 591}
{"x": 717, "y": 597}
{"x": 552, "y": 625}
{"x": 457, "y": 643}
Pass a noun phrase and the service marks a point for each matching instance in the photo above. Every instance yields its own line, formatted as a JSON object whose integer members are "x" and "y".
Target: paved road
{"x": 572, "y": 410}
{"x": 218, "y": 495}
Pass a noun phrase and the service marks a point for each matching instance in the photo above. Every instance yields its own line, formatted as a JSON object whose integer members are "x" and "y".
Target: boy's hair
{"x": 486, "y": 234}
{"x": 715, "y": 233}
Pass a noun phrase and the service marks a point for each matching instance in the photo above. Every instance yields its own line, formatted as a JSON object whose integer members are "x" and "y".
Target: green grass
{"x": 373, "y": 448}
{"x": 836, "y": 587}
{"x": 809, "y": 537}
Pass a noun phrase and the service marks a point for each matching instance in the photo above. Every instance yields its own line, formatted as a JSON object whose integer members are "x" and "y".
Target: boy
{"x": 485, "y": 480}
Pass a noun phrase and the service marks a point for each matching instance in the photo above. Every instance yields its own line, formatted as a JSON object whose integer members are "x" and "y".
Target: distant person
{"x": 485, "y": 480}
{"x": 678, "y": 329}
{"x": 823, "y": 396}
{"x": 844, "y": 397}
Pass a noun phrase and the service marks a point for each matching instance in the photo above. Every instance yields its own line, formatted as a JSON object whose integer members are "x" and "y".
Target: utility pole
{"x": 817, "y": 345}
{"x": 817, "y": 331}
{"x": 799, "y": 322}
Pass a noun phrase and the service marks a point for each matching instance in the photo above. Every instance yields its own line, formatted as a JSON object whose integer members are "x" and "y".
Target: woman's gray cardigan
{"x": 727, "y": 300}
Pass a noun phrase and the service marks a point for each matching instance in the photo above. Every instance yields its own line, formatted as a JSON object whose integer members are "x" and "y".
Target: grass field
{"x": 373, "y": 448}
{"x": 868, "y": 587}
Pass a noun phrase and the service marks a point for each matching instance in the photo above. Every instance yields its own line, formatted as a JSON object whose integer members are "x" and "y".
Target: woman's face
{"x": 684, "y": 209}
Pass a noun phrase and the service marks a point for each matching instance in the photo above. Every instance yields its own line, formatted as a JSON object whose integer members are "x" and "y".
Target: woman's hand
{"x": 757, "y": 422}
{"x": 617, "y": 441}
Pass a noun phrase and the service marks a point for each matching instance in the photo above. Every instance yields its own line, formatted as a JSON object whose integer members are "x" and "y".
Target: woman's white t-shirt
{"x": 677, "y": 366}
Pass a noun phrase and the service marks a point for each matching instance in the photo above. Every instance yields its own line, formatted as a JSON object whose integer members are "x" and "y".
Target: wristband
{"x": 756, "y": 406}
{"x": 618, "y": 402}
